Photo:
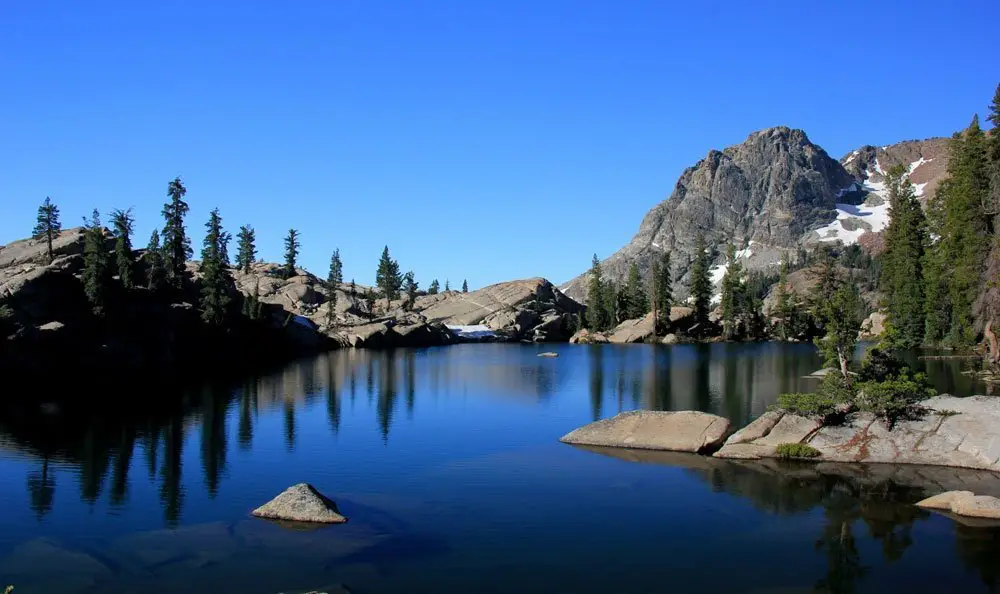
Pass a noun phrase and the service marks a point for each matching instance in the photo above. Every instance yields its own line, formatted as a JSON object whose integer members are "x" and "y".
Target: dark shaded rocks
{"x": 683, "y": 431}
{"x": 301, "y": 503}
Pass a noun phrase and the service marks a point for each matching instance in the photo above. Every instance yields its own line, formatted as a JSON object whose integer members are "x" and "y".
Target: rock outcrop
{"x": 301, "y": 503}
{"x": 956, "y": 432}
{"x": 684, "y": 431}
{"x": 964, "y": 503}
{"x": 763, "y": 195}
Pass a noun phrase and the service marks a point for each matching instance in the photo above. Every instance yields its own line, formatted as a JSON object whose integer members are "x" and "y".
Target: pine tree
{"x": 246, "y": 250}
{"x": 433, "y": 288}
{"x": 447, "y": 286}
{"x": 410, "y": 286}
{"x": 637, "y": 303}
{"x": 843, "y": 315}
{"x": 700, "y": 285}
{"x": 827, "y": 281}
{"x": 155, "y": 273}
{"x": 465, "y": 286}
{"x": 176, "y": 244}
{"x": 387, "y": 277}
{"x": 370, "y": 302}
{"x": 96, "y": 264}
{"x": 784, "y": 307}
{"x": 731, "y": 294}
{"x": 596, "y": 310}
{"x": 662, "y": 297}
{"x": 902, "y": 278}
{"x": 987, "y": 306}
{"x": 252, "y": 307}
{"x": 216, "y": 282}
{"x": 47, "y": 225}
{"x": 333, "y": 280}
{"x": 960, "y": 218}
{"x": 292, "y": 246}
{"x": 123, "y": 222}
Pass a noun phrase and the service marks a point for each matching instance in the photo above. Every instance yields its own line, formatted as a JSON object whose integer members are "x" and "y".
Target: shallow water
{"x": 448, "y": 464}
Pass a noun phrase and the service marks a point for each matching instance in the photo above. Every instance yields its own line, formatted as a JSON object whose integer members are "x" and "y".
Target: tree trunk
{"x": 48, "y": 237}
{"x": 994, "y": 349}
{"x": 843, "y": 367}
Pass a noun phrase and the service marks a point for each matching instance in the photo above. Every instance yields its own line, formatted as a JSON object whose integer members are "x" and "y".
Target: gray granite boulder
{"x": 301, "y": 503}
{"x": 683, "y": 431}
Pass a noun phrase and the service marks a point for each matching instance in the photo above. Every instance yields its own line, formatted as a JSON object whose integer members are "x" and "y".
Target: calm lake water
{"x": 448, "y": 464}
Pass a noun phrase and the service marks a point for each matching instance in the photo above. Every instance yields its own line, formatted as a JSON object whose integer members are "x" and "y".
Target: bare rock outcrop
{"x": 683, "y": 431}
{"x": 956, "y": 432}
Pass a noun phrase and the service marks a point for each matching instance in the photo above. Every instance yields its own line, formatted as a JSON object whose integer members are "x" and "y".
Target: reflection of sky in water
{"x": 447, "y": 462}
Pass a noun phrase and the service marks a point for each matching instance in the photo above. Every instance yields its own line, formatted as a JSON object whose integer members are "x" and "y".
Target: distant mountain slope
{"x": 773, "y": 194}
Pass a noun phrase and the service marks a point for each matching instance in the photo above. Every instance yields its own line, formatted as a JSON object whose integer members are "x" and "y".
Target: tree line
{"x": 162, "y": 267}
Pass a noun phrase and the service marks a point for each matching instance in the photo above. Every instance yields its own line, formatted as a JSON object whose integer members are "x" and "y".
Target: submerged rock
{"x": 683, "y": 431}
{"x": 301, "y": 503}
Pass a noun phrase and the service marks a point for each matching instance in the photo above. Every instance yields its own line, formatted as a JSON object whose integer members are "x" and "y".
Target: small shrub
{"x": 5, "y": 314}
{"x": 831, "y": 399}
{"x": 946, "y": 412}
{"x": 796, "y": 450}
{"x": 894, "y": 398}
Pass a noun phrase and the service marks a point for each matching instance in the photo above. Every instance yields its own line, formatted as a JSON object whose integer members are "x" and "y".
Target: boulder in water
{"x": 301, "y": 503}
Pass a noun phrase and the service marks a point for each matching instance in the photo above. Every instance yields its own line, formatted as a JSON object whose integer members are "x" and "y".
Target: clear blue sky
{"x": 483, "y": 139}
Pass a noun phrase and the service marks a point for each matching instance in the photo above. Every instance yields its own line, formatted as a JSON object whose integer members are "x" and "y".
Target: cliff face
{"x": 763, "y": 194}
{"x": 773, "y": 194}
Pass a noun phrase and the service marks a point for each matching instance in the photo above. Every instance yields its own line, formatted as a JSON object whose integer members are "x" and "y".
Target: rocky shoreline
{"x": 951, "y": 432}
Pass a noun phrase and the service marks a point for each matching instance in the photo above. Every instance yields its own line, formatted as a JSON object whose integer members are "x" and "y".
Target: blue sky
{"x": 478, "y": 139}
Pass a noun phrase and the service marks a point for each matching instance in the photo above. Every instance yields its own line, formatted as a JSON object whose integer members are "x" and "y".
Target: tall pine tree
{"x": 388, "y": 278}
{"x": 597, "y": 318}
{"x": 246, "y": 249}
{"x": 176, "y": 244}
{"x": 292, "y": 246}
{"x": 987, "y": 306}
{"x": 959, "y": 217}
{"x": 47, "y": 225}
{"x": 123, "y": 222}
{"x": 96, "y": 274}
{"x": 156, "y": 275}
{"x": 784, "y": 311}
{"x": 410, "y": 286}
{"x": 902, "y": 278}
{"x": 216, "y": 283}
{"x": 700, "y": 284}
{"x": 333, "y": 281}
{"x": 663, "y": 295}
{"x": 635, "y": 294}
{"x": 465, "y": 286}
{"x": 434, "y": 287}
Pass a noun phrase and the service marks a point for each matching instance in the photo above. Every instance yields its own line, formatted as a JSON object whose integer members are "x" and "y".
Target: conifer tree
{"x": 620, "y": 306}
{"x": 96, "y": 264}
{"x": 987, "y": 306}
{"x": 370, "y": 302}
{"x": 176, "y": 244}
{"x": 433, "y": 288}
{"x": 597, "y": 318}
{"x": 465, "y": 286}
{"x": 637, "y": 303}
{"x": 214, "y": 268}
{"x": 246, "y": 249}
{"x": 959, "y": 217}
{"x": 251, "y": 303}
{"x": 902, "y": 278}
{"x": 156, "y": 275}
{"x": 47, "y": 225}
{"x": 662, "y": 292}
{"x": 410, "y": 286}
{"x": 388, "y": 278}
{"x": 824, "y": 273}
{"x": 785, "y": 310}
{"x": 447, "y": 286}
{"x": 123, "y": 222}
{"x": 700, "y": 285}
{"x": 353, "y": 290}
{"x": 333, "y": 280}
{"x": 731, "y": 289}
{"x": 292, "y": 246}
{"x": 843, "y": 314}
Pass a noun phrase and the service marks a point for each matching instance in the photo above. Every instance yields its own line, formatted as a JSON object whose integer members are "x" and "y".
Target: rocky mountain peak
{"x": 762, "y": 195}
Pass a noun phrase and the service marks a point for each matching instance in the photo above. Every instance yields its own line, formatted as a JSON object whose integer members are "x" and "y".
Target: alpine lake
{"x": 448, "y": 464}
